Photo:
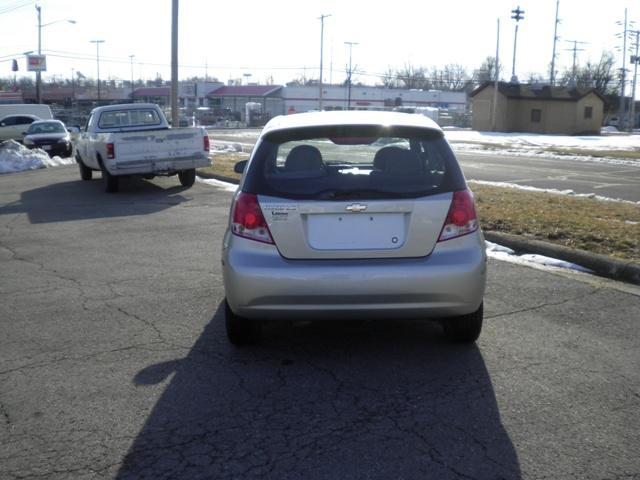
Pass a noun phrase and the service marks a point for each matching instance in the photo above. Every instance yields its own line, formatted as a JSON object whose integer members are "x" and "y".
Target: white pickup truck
{"x": 135, "y": 139}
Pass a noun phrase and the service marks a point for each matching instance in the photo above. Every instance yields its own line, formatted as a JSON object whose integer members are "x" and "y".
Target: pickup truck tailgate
{"x": 160, "y": 149}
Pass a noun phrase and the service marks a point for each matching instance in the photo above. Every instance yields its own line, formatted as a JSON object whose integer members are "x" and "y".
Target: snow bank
{"x": 594, "y": 142}
{"x": 15, "y": 157}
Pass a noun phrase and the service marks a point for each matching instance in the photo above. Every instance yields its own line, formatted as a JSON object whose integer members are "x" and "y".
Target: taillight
{"x": 205, "y": 141}
{"x": 247, "y": 220}
{"x": 461, "y": 219}
{"x": 111, "y": 151}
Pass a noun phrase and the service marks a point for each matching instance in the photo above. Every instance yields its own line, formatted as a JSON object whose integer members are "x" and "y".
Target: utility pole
{"x": 175, "y": 117}
{"x": 131, "y": 58}
{"x": 38, "y": 73}
{"x": 351, "y": 44}
{"x": 98, "y": 42}
{"x": 575, "y": 50}
{"x": 322, "y": 17}
{"x": 517, "y": 15}
{"x": 634, "y": 60}
{"x": 552, "y": 76}
{"x": 494, "y": 110}
{"x": 623, "y": 76}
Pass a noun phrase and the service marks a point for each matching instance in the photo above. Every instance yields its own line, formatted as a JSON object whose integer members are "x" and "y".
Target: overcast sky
{"x": 281, "y": 38}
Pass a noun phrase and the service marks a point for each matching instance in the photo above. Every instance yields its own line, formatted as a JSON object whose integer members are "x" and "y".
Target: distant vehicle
{"x": 51, "y": 136}
{"x": 135, "y": 139}
{"x": 43, "y": 112}
{"x": 343, "y": 215}
{"x": 12, "y": 127}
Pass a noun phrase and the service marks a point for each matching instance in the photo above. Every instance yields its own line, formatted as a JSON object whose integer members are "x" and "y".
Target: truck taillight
{"x": 205, "y": 141}
{"x": 111, "y": 151}
{"x": 247, "y": 219}
{"x": 461, "y": 219}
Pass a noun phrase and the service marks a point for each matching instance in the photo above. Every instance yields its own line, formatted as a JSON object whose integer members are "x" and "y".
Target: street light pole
{"x": 131, "y": 58}
{"x": 98, "y": 42}
{"x": 351, "y": 44}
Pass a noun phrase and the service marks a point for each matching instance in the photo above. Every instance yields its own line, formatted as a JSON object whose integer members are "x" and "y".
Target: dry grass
{"x": 223, "y": 163}
{"x": 608, "y": 228}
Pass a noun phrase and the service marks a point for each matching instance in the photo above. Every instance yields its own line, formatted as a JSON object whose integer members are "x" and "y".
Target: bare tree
{"x": 487, "y": 71}
{"x": 411, "y": 77}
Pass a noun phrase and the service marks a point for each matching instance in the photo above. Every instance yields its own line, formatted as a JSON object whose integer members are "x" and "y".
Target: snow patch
{"x": 226, "y": 186}
{"x": 554, "y": 191}
{"x": 15, "y": 157}
{"x": 505, "y": 254}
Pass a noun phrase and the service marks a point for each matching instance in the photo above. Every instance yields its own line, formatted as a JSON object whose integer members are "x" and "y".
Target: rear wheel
{"x": 109, "y": 181}
{"x": 85, "y": 172}
{"x": 240, "y": 330}
{"x": 466, "y": 328}
{"x": 187, "y": 177}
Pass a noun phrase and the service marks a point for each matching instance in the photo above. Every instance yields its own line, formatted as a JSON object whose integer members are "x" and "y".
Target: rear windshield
{"x": 129, "y": 118}
{"x": 334, "y": 163}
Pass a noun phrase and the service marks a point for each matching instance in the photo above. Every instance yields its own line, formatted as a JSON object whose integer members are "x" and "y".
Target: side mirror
{"x": 240, "y": 166}
{"x": 23, "y": 133}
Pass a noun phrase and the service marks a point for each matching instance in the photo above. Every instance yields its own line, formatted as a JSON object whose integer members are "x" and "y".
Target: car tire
{"x": 465, "y": 328}
{"x": 240, "y": 331}
{"x": 187, "y": 177}
{"x": 110, "y": 182}
{"x": 85, "y": 172}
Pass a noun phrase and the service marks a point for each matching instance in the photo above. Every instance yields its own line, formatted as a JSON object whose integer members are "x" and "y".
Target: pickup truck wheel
{"x": 187, "y": 177}
{"x": 464, "y": 329}
{"x": 109, "y": 181}
{"x": 240, "y": 330}
{"x": 85, "y": 172}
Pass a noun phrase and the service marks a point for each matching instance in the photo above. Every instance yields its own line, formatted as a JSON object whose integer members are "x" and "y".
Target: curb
{"x": 609, "y": 267}
{"x": 602, "y": 265}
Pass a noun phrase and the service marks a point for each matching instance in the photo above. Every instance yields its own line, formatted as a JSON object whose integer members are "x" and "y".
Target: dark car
{"x": 51, "y": 136}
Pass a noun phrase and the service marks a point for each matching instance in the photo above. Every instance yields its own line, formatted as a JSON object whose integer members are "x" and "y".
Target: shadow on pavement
{"x": 324, "y": 400}
{"x": 77, "y": 200}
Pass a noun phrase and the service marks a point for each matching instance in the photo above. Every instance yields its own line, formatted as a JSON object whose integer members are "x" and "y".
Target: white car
{"x": 13, "y": 127}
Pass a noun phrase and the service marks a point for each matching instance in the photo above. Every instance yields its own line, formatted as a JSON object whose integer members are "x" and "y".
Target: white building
{"x": 305, "y": 98}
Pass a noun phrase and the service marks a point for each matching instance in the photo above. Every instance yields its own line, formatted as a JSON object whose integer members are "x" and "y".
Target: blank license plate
{"x": 356, "y": 231}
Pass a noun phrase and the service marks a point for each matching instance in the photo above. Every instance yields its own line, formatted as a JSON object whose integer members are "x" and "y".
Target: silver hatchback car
{"x": 343, "y": 215}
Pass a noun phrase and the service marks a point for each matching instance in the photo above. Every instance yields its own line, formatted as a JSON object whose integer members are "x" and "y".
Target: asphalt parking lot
{"x": 114, "y": 362}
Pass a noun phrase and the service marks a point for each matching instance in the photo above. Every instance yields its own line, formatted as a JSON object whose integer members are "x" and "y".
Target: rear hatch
{"x": 354, "y": 192}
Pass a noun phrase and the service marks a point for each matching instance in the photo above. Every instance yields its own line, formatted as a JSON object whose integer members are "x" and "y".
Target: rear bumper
{"x": 59, "y": 149}
{"x": 158, "y": 167}
{"x": 259, "y": 283}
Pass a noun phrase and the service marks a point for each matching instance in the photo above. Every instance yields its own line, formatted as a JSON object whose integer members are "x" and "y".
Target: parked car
{"x": 39, "y": 110}
{"x": 353, "y": 215}
{"x": 12, "y": 127}
{"x": 135, "y": 139}
{"x": 49, "y": 135}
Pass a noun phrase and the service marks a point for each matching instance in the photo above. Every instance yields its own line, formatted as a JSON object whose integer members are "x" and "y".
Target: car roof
{"x": 39, "y": 122}
{"x": 324, "y": 119}
{"x": 123, "y": 106}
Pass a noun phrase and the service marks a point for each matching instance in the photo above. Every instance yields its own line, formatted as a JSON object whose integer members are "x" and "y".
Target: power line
{"x": 15, "y": 6}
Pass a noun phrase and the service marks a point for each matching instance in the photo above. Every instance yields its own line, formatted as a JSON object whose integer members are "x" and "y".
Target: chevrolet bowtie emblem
{"x": 356, "y": 207}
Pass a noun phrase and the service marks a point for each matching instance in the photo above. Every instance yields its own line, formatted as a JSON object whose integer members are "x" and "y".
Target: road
{"x": 114, "y": 363}
{"x": 605, "y": 179}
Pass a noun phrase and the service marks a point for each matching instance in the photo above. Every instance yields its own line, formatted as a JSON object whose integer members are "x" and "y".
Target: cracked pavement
{"x": 114, "y": 363}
